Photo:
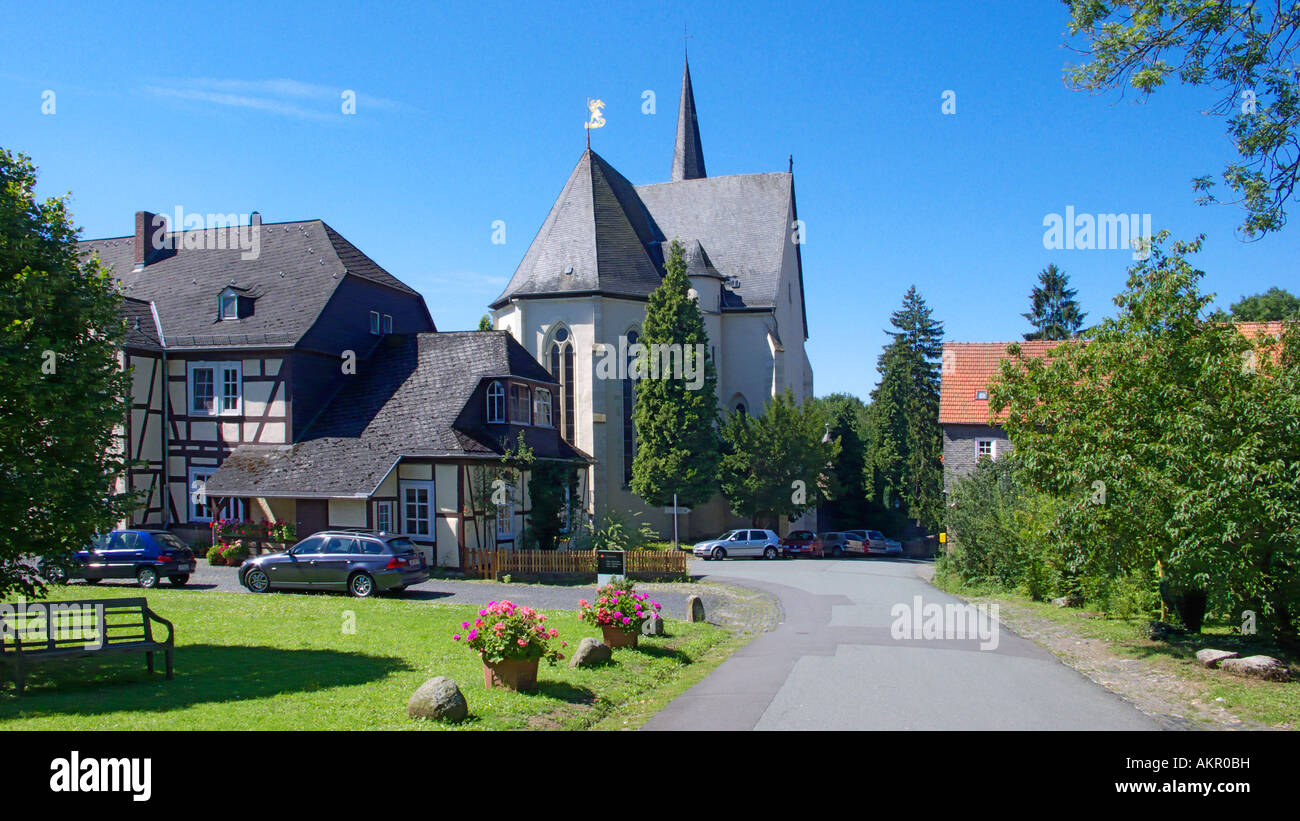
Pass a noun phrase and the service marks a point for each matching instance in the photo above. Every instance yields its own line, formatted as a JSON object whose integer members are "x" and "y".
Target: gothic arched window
{"x": 629, "y": 403}
{"x": 496, "y": 403}
{"x": 559, "y": 361}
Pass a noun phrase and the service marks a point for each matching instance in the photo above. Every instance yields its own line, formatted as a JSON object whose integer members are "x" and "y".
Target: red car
{"x": 801, "y": 543}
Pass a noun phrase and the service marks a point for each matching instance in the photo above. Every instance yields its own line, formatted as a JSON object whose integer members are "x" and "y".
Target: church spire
{"x": 688, "y": 155}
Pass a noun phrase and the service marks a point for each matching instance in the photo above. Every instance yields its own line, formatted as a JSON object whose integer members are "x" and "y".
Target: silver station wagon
{"x": 361, "y": 562}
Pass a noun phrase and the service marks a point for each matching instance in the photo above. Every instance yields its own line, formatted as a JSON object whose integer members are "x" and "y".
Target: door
{"x": 329, "y": 567}
{"x": 313, "y": 516}
{"x": 118, "y": 559}
{"x": 290, "y": 570}
{"x": 753, "y": 543}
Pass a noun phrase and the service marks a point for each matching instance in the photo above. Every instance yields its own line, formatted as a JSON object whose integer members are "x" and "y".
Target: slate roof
{"x": 411, "y": 399}
{"x": 968, "y": 367}
{"x": 613, "y": 234}
{"x": 688, "y": 153}
{"x": 141, "y": 330}
{"x": 297, "y": 269}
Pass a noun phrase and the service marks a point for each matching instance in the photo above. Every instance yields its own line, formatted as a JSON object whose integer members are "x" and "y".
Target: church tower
{"x": 581, "y": 289}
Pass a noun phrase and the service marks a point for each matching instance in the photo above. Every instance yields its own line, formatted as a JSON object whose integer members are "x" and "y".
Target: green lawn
{"x": 285, "y": 662}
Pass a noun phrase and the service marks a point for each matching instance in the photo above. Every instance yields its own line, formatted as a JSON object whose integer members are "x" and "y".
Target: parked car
{"x": 144, "y": 555}
{"x": 361, "y": 562}
{"x": 871, "y": 543}
{"x": 833, "y": 543}
{"x": 802, "y": 543}
{"x": 737, "y": 543}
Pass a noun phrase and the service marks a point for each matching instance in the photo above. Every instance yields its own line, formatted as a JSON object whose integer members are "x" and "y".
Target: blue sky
{"x": 473, "y": 113}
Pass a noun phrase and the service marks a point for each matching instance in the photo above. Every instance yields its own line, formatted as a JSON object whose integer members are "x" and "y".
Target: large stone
{"x": 695, "y": 609}
{"x": 653, "y": 626}
{"x": 1068, "y": 601}
{"x": 590, "y": 653}
{"x": 1265, "y": 667}
{"x": 439, "y": 699}
{"x": 1211, "y": 658}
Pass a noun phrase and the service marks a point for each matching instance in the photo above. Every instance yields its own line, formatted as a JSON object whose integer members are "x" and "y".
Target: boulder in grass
{"x": 1068, "y": 601}
{"x": 1211, "y": 658}
{"x": 695, "y": 608}
{"x": 590, "y": 653}
{"x": 653, "y": 626}
{"x": 439, "y": 699}
{"x": 1265, "y": 667}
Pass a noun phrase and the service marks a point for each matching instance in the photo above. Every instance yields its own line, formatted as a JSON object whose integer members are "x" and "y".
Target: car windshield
{"x": 400, "y": 546}
{"x": 170, "y": 540}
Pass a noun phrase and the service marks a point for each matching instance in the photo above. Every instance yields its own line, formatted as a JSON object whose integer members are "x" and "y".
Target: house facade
{"x": 580, "y": 294}
{"x": 258, "y": 366}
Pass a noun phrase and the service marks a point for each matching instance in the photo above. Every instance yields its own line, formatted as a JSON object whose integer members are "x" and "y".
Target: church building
{"x": 585, "y": 280}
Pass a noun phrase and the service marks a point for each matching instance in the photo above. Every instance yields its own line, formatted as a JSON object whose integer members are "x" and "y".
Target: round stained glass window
{"x": 561, "y": 334}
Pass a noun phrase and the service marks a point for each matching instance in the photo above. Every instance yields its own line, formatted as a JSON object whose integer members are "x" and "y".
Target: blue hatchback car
{"x": 144, "y": 555}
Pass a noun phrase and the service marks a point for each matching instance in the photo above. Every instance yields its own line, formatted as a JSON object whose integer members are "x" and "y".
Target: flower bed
{"x": 618, "y": 607}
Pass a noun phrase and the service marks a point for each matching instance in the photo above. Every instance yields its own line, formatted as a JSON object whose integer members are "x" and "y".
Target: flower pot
{"x": 511, "y": 674}
{"x": 617, "y": 637}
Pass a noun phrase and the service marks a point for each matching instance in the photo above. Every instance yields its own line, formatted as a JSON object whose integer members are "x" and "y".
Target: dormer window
{"x": 228, "y": 304}
{"x": 521, "y": 405}
{"x": 388, "y": 324}
{"x": 374, "y": 323}
{"x": 496, "y": 403}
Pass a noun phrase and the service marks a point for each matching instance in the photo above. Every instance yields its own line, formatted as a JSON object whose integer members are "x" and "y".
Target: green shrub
{"x": 214, "y": 554}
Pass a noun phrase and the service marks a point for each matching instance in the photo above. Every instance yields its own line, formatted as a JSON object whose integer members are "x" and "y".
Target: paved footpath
{"x": 831, "y": 664}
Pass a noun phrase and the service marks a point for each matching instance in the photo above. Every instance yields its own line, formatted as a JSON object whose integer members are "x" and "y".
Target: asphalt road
{"x": 834, "y": 664}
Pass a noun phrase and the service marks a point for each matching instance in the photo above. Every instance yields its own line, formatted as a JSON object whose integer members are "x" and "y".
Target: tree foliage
{"x": 777, "y": 464}
{"x": 63, "y": 391}
{"x": 1053, "y": 310}
{"x": 846, "y": 416}
{"x": 904, "y": 474}
{"x": 1273, "y": 305}
{"x": 1171, "y": 442}
{"x": 676, "y": 422}
{"x": 1243, "y": 51}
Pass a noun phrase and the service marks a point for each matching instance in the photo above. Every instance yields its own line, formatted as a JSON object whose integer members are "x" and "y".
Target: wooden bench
{"x": 35, "y": 632}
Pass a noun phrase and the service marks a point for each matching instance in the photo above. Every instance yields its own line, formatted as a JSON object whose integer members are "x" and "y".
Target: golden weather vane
{"x": 597, "y": 119}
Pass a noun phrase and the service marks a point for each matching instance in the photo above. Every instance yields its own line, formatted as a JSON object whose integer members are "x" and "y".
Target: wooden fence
{"x": 494, "y": 563}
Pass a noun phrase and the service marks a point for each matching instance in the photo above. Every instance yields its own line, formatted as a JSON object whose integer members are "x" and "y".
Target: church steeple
{"x": 688, "y": 155}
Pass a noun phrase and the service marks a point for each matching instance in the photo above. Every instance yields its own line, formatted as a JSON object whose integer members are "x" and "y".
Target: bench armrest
{"x": 171, "y": 631}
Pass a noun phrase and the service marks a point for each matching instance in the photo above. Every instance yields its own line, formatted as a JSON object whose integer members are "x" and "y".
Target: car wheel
{"x": 769, "y": 553}
{"x": 257, "y": 581}
{"x": 179, "y": 581}
{"x": 54, "y": 575}
{"x": 719, "y": 554}
{"x": 837, "y": 551}
{"x": 147, "y": 577}
{"x": 361, "y": 585}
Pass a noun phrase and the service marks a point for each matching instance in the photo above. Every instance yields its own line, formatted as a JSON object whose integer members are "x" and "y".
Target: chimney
{"x": 255, "y": 219}
{"x": 150, "y": 237}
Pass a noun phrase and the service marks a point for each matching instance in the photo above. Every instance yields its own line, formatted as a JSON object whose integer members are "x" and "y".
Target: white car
{"x": 736, "y": 543}
{"x": 871, "y": 543}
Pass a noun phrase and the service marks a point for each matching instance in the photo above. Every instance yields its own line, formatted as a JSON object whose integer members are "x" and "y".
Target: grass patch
{"x": 1274, "y": 704}
{"x": 285, "y": 662}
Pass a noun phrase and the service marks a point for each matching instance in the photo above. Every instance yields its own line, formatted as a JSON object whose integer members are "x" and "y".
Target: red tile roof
{"x": 967, "y": 368}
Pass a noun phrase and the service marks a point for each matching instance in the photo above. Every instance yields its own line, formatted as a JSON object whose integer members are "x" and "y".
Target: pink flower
{"x": 473, "y": 634}
{"x": 582, "y": 602}
{"x": 554, "y": 633}
{"x": 456, "y": 637}
{"x": 523, "y": 642}
{"x": 465, "y": 624}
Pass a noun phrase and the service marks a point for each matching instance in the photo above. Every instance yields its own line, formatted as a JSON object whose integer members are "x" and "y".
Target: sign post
{"x": 675, "y": 510}
{"x": 610, "y": 565}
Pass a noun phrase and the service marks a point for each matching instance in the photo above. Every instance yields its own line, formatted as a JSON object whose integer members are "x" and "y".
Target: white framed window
{"x": 384, "y": 516}
{"x": 506, "y": 514}
{"x": 228, "y": 304}
{"x": 374, "y": 323}
{"x": 216, "y": 388}
{"x": 200, "y": 509}
{"x": 496, "y": 403}
{"x": 417, "y": 508}
{"x": 986, "y": 447}
{"x": 981, "y": 396}
{"x": 542, "y": 408}
{"x": 388, "y": 324}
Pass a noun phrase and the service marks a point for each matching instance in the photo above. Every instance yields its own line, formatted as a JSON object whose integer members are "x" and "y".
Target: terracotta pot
{"x": 511, "y": 674}
{"x": 616, "y": 637}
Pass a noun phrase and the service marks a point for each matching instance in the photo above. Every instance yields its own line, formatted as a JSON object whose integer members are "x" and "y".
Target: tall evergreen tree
{"x": 1053, "y": 310}
{"x": 63, "y": 392}
{"x": 904, "y": 473}
{"x": 678, "y": 449}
